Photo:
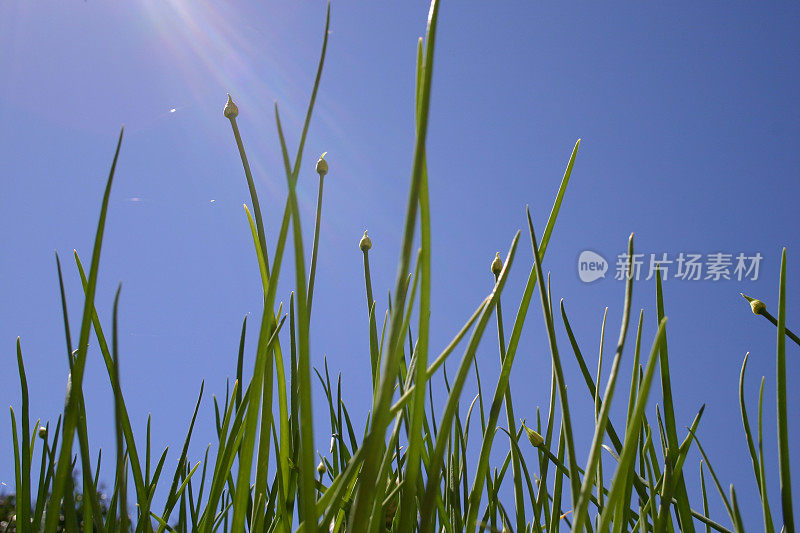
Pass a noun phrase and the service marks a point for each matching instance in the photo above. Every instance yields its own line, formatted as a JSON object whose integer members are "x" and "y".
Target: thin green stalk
{"x": 597, "y": 398}
{"x": 714, "y": 477}
{"x": 118, "y": 431}
{"x": 768, "y": 524}
{"x": 374, "y": 440}
{"x": 322, "y": 170}
{"x": 434, "y": 468}
{"x": 174, "y": 490}
{"x": 759, "y": 308}
{"x": 705, "y": 494}
{"x": 683, "y": 508}
{"x": 408, "y": 497}
{"x": 556, "y": 513}
{"x": 231, "y": 112}
{"x": 581, "y": 509}
{"x": 783, "y": 415}
{"x": 23, "y": 486}
{"x": 482, "y": 467}
{"x": 754, "y": 456}
{"x": 245, "y": 464}
{"x": 71, "y": 409}
{"x": 628, "y": 454}
{"x": 365, "y": 244}
{"x": 262, "y": 461}
{"x": 510, "y": 420}
{"x": 440, "y": 360}
{"x": 562, "y": 386}
{"x": 138, "y": 476}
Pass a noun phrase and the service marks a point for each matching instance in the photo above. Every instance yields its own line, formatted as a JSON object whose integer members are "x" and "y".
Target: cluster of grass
{"x": 412, "y": 469}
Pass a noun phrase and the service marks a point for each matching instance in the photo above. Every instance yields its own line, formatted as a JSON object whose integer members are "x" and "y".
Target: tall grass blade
{"x": 138, "y": 474}
{"x": 716, "y": 480}
{"x": 755, "y": 457}
{"x": 634, "y": 425}
{"x": 432, "y": 488}
{"x": 562, "y": 386}
{"x": 684, "y": 513}
{"x": 71, "y": 409}
{"x": 174, "y": 490}
{"x": 783, "y": 415}
{"x": 23, "y": 456}
{"x": 121, "y": 466}
{"x": 581, "y": 514}
{"x": 374, "y": 440}
{"x": 768, "y": 523}
{"x": 408, "y": 497}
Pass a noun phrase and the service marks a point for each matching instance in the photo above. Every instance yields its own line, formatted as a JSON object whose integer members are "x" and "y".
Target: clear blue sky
{"x": 689, "y": 119}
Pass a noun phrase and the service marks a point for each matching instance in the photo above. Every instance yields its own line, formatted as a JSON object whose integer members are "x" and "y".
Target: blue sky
{"x": 689, "y": 120}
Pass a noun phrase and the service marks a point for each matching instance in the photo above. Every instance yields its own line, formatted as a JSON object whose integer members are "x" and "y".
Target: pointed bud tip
{"x": 757, "y": 306}
{"x": 230, "y": 111}
{"x": 322, "y": 165}
{"x": 365, "y": 243}
{"x": 497, "y": 264}
{"x": 535, "y": 439}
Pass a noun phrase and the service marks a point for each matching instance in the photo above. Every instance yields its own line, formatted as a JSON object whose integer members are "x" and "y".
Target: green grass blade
{"x": 231, "y": 115}
{"x": 23, "y": 487}
{"x": 440, "y": 360}
{"x": 562, "y": 386}
{"x": 174, "y": 492}
{"x": 138, "y": 473}
{"x": 519, "y": 502}
{"x": 17, "y": 460}
{"x": 408, "y": 517}
{"x": 71, "y": 410}
{"x": 64, "y": 313}
{"x": 555, "y": 509}
{"x": 714, "y": 477}
{"x": 684, "y": 513}
{"x": 225, "y": 457}
{"x": 240, "y": 362}
{"x": 705, "y": 494}
{"x": 746, "y": 423}
{"x": 625, "y": 509}
{"x": 581, "y": 509}
{"x": 307, "y": 462}
{"x": 672, "y": 473}
{"x": 634, "y": 425}
{"x": 48, "y": 459}
{"x": 521, "y": 316}
{"x": 612, "y": 433}
{"x": 783, "y": 415}
{"x": 737, "y": 523}
{"x": 315, "y": 247}
{"x": 121, "y": 463}
{"x": 240, "y": 498}
{"x": 426, "y": 520}
{"x": 228, "y": 447}
{"x": 768, "y": 524}
{"x": 374, "y": 440}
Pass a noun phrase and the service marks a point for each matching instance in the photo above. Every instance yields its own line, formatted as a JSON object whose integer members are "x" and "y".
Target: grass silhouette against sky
{"x": 689, "y": 124}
